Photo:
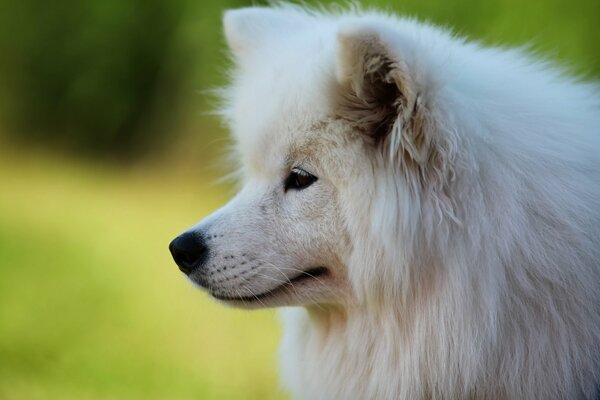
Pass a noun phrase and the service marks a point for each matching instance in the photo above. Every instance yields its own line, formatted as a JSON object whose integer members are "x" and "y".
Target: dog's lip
{"x": 313, "y": 273}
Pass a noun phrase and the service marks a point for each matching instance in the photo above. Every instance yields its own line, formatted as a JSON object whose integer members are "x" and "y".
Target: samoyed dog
{"x": 426, "y": 209}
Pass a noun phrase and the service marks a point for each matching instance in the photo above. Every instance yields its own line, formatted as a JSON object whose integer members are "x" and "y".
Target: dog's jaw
{"x": 313, "y": 287}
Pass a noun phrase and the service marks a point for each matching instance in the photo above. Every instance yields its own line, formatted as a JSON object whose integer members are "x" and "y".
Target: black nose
{"x": 189, "y": 251}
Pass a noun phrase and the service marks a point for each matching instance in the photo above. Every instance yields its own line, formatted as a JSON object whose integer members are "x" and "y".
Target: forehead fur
{"x": 277, "y": 95}
{"x": 285, "y": 59}
{"x": 285, "y": 69}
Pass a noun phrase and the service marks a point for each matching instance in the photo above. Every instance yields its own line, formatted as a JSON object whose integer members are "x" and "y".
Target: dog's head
{"x": 336, "y": 143}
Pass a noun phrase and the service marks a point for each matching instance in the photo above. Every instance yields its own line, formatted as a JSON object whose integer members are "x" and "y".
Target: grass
{"x": 92, "y": 306}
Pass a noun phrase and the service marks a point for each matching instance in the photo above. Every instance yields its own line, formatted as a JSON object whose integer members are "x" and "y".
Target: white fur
{"x": 480, "y": 280}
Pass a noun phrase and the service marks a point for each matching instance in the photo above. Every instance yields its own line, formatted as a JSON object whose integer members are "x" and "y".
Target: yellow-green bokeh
{"x": 92, "y": 307}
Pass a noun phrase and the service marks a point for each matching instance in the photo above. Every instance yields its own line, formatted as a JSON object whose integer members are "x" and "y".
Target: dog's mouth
{"x": 313, "y": 274}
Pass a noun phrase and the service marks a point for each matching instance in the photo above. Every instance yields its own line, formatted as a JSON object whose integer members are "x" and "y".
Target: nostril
{"x": 187, "y": 258}
{"x": 189, "y": 251}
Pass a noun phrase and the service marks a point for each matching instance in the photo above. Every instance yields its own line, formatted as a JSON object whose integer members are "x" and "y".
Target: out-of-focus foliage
{"x": 100, "y": 76}
{"x": 118, "y": 76}
{"x": 86, "y": 73}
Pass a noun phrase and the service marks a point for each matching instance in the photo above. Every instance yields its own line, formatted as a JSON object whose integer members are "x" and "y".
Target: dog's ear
{"x": 247, "y": 29}
{"x": 379, "y": 94}
{"x": 383, "y": 95}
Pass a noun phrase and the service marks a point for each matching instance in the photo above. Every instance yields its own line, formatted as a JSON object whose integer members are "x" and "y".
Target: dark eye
{"x": 299, "y": 179}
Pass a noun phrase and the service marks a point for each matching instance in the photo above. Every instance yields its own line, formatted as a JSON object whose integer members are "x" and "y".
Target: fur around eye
{"x": 299, "y": 179}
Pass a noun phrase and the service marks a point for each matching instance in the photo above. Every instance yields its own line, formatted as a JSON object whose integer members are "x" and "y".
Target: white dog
{"x": 432, "y": 207}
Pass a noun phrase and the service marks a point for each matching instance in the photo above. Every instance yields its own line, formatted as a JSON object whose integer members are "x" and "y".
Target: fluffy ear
{"x": 246, "y": 28}
{"x": 379, "y": 93}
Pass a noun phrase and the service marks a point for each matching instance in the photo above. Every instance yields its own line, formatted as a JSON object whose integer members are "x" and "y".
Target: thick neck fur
{"x": 432, "y": 351}
{"x": 496, "y": 316}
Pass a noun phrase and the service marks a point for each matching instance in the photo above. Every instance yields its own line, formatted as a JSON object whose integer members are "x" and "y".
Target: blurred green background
{"x": 108, "y": 150}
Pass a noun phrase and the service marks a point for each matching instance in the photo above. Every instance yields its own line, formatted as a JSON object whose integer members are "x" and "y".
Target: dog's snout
{"x": 189, "y": 251}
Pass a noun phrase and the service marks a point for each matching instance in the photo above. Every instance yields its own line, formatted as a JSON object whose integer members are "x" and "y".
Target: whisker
{"x": 252, "y": 292}
{"x": 304, "y": 273}
{"x": 268, "y": 264}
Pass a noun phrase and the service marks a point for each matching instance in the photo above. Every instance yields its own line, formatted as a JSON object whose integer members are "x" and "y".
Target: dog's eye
{"x": 299, "y": 179}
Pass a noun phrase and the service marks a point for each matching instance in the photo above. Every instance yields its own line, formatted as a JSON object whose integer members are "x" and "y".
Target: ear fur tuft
{"x": 379, "y": 95}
